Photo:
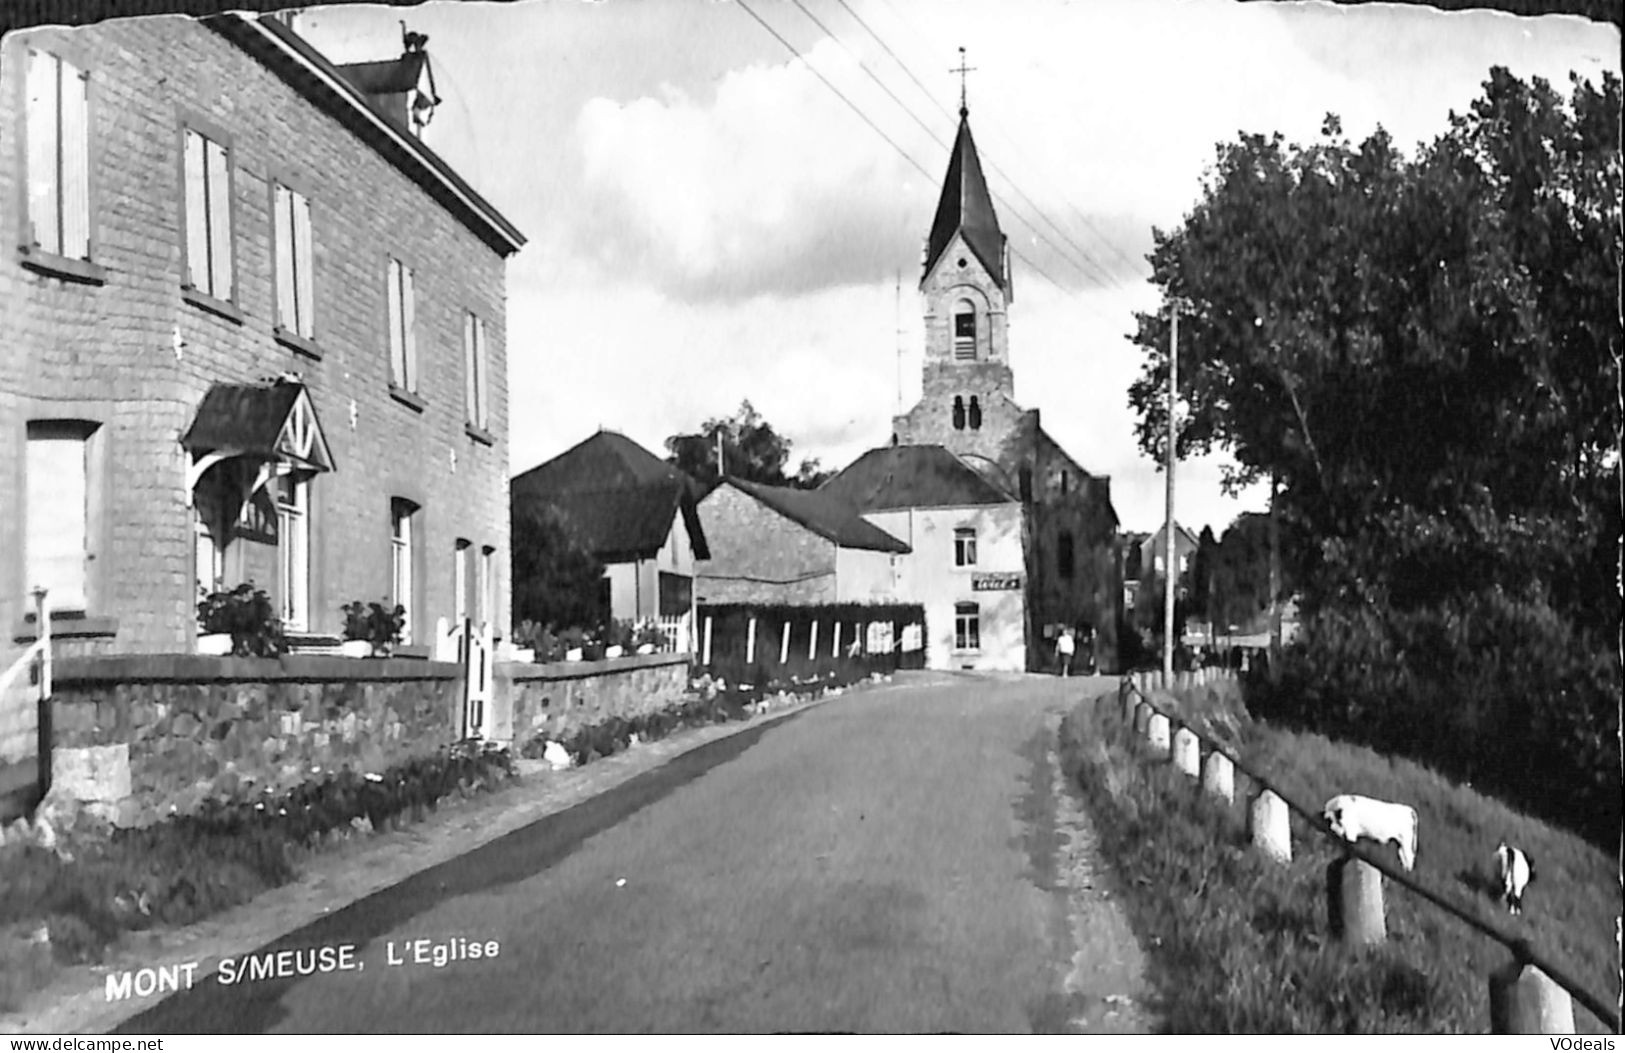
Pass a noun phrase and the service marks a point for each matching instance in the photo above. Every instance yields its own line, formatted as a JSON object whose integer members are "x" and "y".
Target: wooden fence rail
{"x": 1519, "y": 1000}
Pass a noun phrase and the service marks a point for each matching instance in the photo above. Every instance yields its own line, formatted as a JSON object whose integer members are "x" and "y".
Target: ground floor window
{"x": 293, "y": 549}
{"x": 675, "y": 593}
{"x": 967, "y": 627}
{"x": 401, "y": 513}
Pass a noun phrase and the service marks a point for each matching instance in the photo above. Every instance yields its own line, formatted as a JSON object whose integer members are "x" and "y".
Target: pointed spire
{"x": 966, "y": 207}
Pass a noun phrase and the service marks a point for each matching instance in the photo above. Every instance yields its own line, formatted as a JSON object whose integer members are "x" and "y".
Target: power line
{"x": 938, "y": 139}
{"x": 992, "y": 164}
{"x": 866, "y": 120}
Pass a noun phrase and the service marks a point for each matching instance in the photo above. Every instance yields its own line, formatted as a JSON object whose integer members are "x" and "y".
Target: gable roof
{"x": 966, "y": 207}
{"x": 618, "y": 498}
{"x": 274, "y": 421}
{"x": 911, "y": 477}
{"x": 823, "y": 515}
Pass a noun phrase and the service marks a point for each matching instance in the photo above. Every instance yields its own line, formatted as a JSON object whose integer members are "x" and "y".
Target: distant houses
{"x": 965, "y": 561}
{"x": 636, "y": 514}
{"x": 778, "y": 545}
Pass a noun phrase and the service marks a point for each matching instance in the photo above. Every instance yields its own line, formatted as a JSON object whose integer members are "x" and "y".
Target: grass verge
{"x": 1238, "y": 944}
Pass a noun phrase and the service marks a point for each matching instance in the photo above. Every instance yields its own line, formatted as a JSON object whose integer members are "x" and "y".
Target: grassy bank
{"x": 1238, "y": 944}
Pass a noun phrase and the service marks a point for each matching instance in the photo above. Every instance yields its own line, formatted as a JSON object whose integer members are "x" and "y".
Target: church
{"x": 1069, "y": 573}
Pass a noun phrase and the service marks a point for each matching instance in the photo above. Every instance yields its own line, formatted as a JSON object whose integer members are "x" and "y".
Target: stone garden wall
{"x": 556, "y": 699}
{"x": 138, "y": 737}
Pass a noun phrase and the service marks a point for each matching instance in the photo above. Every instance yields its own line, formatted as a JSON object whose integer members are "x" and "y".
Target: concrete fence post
{"x": 1187, "y": 752}
{"x": 1156, "y": 734}
{"x": 1219, "y": 776}
{"x": 784, "y": 644}
{"x": 1525, "y": 1001}
{"x": 1354, "y": 902}
{"x": 706, "y": 660}
{"x": 1142, "y": 717}
{"x": 750, "y": 642}
{"x": 1269, "y": 826}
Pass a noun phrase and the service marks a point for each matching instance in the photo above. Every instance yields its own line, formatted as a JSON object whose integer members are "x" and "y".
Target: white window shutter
{"x": 43, "y": 110}
{"x": 397, "y": 345}
{"x": 470, "y": 369}
{"x": 197, "y": 214}
{"x": 56, "y": 528}
{"x": 303, "y": 274}
{"x": 287, "y": 315}
{"x": 75, "y": 164}
{"x": 482, "y": 390}
{"x": 409, "y": 325}
{"x": 219, "y": 222}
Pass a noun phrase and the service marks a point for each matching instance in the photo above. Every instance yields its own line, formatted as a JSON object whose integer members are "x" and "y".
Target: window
{"x": 965, "y": 547}
{"x": 295, "y": 286}
{"x": 208, "y": 216}
{"x": 459, "y": 581}
{"x": 967, "y": 627}
{"x": 208, "y": 557}
{"x": 1064, "y": 557}
{"x": 1066, "y": 482}
{"x": 964, "y": 331}
{"x": 293, "y": 549}
{"x": 475, "y": 396}
{"x": 401, "y": 514}
{"x": 975, "y": 415}
{"x": 58, "y": 133}
{"x": 487, "y": 611}
{"x": 959, "y": 413}
{"x": 403, "y": 352}
{"x": 57, "y": 528}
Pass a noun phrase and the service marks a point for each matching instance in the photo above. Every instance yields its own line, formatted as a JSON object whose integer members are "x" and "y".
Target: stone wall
{"x": 137, "y": 737}
{"x": 556, "y": 699}
{"x": 760, "y": 556}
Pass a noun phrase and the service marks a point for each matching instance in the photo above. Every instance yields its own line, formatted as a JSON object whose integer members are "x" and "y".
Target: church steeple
{"x": 966, "y": 208}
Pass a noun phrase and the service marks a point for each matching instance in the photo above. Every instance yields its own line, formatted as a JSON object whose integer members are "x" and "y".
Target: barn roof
{"x": 824, "y": 515}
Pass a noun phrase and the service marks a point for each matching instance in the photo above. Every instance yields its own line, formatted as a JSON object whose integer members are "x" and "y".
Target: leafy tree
{"x": 751, "y": 450}
{"x": 556, "y": 579}
{"x": 1423, "y": 352}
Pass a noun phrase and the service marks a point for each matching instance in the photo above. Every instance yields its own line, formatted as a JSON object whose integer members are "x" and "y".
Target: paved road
{"x": 884, "y": 862}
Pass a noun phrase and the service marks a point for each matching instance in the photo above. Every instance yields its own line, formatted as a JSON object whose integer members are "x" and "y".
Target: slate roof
{"x": 824, "y": 515}
{"x": 966, "y": 206}
{"x": 248, "y": 419}
{"x": 618, "y": 498}
{"x": 911, "y": 477}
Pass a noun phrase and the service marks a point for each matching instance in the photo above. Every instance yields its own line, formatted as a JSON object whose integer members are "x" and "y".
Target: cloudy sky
{"x": 710, "y": 221}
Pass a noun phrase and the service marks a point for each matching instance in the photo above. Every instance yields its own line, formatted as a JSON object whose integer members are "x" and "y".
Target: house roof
{"x": 911, "y": 477}
{"x": 335, "y": 90}
{"x": 824, "y": 515}
{"x": 966, "y": 207}
{"x": 273, "y": 421}
{"x": 617, "y": 497}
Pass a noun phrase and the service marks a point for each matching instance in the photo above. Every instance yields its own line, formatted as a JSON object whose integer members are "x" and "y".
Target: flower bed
{"x": 69, "y": 906}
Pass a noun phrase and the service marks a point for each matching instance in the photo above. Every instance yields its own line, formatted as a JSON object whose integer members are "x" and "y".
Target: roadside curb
{"x": 75, "y": 1002}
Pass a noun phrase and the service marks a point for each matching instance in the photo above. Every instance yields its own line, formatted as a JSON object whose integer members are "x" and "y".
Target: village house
{"x": 964, "y": 560}
{"x": 636, "y": 514}
{"x": 1070, "y": 574}
{"x": 779, "y": 545}
{"x": 1150, "y": 554}
{"x": 255, "y": 331}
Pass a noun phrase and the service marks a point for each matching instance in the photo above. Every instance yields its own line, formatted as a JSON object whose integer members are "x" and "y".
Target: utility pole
{"x": 720, "y": 472}
{"x": 1169, "y": 567}
{"x": 1275, "y": 579}
{"x": 897, "y": 322}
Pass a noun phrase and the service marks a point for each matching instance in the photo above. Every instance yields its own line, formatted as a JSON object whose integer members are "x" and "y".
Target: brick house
{"x": 636, "y": 514}
{"x": 1068, "y": 525}
{"x": 779, "y": 545}
{"x": 256, "y": 330}
{"x": 964, "y": 561}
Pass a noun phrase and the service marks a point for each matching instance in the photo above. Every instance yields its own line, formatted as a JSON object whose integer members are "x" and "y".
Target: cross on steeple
{"x": 962, "y": 70}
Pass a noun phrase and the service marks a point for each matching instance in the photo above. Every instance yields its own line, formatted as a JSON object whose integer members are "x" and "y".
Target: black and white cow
{"x": 1516, "y": 874}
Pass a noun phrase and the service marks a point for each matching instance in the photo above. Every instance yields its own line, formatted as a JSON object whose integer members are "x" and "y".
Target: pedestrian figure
{"x": 1064, "y": 648}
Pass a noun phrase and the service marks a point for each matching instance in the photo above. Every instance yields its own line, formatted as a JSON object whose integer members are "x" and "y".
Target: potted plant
{"x": 371, "y": 629}
{"x": 244, "y": 616}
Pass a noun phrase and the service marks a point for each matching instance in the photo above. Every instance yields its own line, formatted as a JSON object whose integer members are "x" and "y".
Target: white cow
{"x": 1516, "y": 874}
{"x": 1352, "y": 817}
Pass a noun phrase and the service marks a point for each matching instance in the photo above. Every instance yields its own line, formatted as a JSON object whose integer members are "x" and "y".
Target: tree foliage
{"x": 1424, "y": 352}
{"x": 556, "y": 579}
{"x": 751, "y": 450}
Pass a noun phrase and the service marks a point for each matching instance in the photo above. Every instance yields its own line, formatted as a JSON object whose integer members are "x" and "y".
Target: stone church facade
{"x": 967, "y": 405}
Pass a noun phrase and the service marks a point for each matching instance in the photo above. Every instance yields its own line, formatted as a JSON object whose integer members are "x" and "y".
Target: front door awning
{"x": 271, "y": 424}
